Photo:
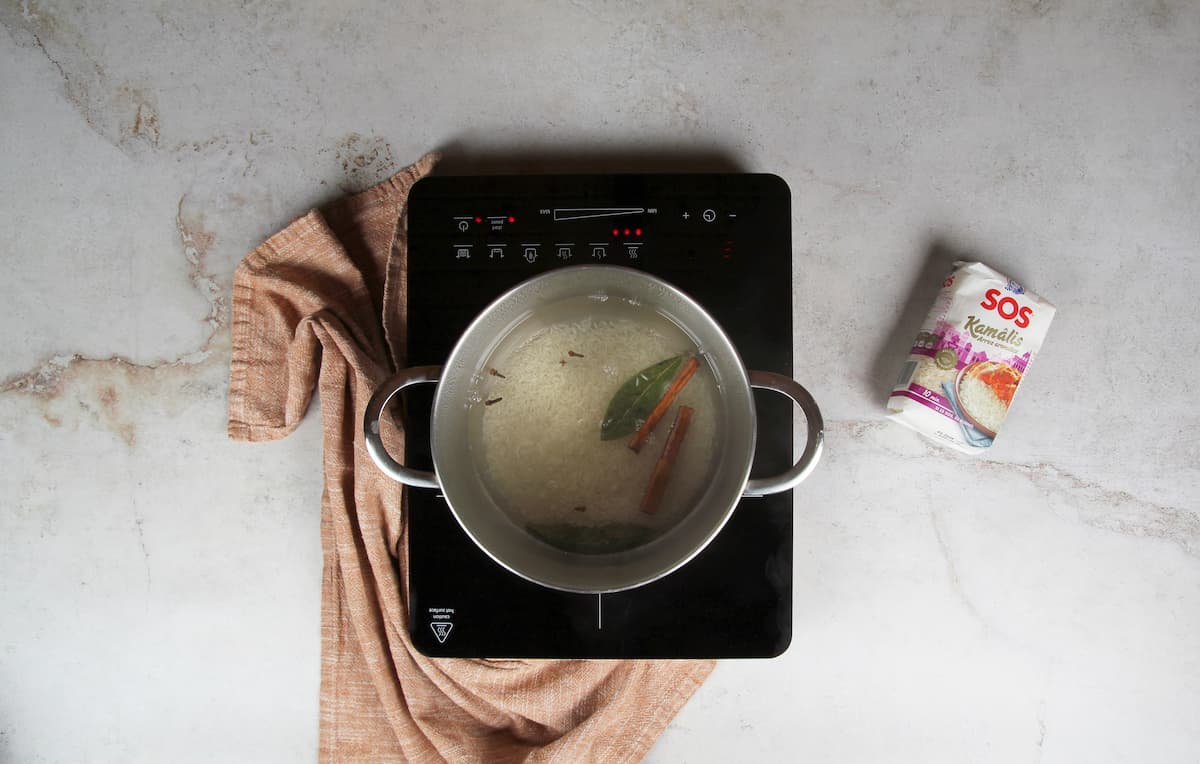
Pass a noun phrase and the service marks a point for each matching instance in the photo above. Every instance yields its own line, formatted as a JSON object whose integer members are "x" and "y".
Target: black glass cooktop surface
{"x": 725, "y": 239}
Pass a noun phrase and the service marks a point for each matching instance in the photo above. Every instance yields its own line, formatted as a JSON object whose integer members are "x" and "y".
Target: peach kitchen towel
{"x": 320, "y": 305}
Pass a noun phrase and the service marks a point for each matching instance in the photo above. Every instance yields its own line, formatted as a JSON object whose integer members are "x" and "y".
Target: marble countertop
{"x": 159, "y": 584}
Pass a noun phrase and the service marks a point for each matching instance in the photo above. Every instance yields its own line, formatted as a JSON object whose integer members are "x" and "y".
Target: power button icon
{"x": 709, "y": 216}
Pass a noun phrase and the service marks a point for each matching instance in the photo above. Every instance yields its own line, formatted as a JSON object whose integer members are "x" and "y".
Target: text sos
{"x": 1007, "y": 307}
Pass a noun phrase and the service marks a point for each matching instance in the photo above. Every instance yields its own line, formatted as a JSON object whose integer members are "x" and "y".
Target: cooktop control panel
{"x": 533, "y": 223}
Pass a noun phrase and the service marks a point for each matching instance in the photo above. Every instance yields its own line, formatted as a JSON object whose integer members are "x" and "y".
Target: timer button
{"x": 709, "y": 216}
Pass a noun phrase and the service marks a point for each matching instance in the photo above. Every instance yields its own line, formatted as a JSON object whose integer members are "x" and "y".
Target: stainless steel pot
{"x": 511, "y": 546}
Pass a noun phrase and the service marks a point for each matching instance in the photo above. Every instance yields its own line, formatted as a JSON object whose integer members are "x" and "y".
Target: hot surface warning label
{"x": 441, "y": 621}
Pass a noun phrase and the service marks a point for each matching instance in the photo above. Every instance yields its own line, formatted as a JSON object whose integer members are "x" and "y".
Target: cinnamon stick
{"x": 660, "y": 409}
{"x": 662, "y": 469}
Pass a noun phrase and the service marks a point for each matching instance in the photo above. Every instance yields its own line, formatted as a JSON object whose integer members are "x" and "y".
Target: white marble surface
{"x": 159, "y": 584}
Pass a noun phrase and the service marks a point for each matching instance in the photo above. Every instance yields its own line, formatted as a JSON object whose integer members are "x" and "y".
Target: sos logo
{"x": 1007, "y": 307}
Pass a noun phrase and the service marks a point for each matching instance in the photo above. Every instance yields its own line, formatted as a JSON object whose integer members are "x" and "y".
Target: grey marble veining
{"x": 159, "y": 584}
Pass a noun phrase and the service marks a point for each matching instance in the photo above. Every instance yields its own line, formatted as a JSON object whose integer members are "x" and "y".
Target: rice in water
{"x": 537, "y": 426}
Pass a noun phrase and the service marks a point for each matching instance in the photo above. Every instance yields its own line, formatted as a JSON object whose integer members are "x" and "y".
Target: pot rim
{"x": 457, "y": 359}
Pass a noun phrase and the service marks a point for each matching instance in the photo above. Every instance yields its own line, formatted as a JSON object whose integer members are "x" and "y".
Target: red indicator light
{"x": 478, "y": 219}
{"x": 512, "y": 219}
{"x": 638, "y": 231}
{"x": 626, "y": 231}
{"x": 616, "y": 232}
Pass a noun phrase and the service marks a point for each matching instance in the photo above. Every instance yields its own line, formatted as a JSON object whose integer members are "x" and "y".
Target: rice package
{"x": 968, "y": 360}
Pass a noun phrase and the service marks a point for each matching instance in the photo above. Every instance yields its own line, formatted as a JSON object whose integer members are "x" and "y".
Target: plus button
{"x": 686, "y": 216}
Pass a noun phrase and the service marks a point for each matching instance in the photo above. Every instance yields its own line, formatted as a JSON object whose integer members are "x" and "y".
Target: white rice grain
{"x": 539, "y": 444}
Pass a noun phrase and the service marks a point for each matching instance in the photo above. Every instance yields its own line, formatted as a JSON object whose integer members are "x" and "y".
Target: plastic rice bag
{"x": 970, "y": 357}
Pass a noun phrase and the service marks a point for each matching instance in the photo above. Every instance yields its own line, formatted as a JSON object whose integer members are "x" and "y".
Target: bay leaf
{"x": 636, "y": 398}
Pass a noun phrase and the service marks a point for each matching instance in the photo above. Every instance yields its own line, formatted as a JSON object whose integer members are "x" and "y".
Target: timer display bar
{"x": 582, "y": 213}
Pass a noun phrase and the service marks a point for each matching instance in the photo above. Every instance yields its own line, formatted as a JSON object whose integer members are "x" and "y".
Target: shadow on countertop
{"x": 586, "y": 158}
{"x": 940, "y": 257}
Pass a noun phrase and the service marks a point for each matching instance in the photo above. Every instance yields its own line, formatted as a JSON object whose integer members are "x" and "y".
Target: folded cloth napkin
{"x": 321, "y": 305}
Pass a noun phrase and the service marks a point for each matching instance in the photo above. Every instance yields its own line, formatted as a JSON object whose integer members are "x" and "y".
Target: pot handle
{"x": 375, "y": 407}
{"x": 812, "y": 447}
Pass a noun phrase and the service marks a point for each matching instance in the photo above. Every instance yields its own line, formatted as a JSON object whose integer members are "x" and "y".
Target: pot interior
{"x": 513, "y": 495}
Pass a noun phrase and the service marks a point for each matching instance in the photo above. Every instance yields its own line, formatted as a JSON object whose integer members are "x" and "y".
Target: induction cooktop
{"x": 725, "y": 239}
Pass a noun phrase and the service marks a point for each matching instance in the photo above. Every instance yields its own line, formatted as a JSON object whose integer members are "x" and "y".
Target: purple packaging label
{"x": 960, "y": 342}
